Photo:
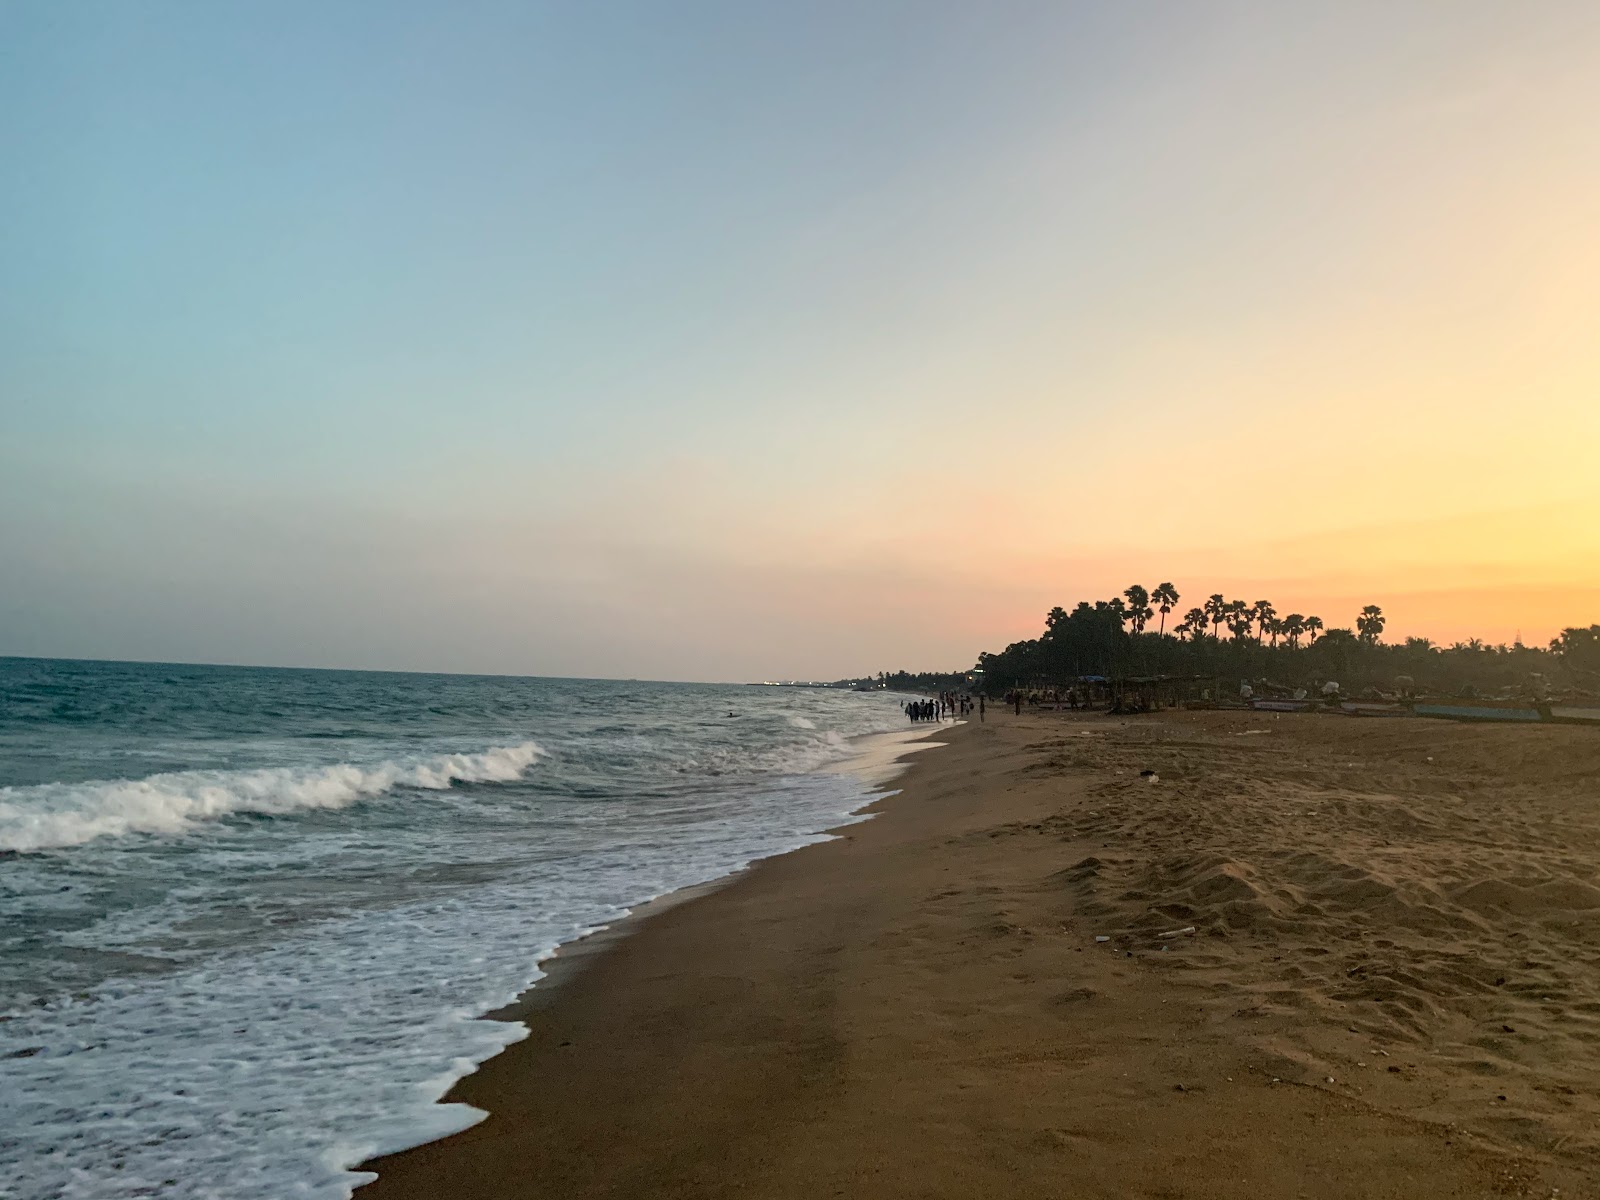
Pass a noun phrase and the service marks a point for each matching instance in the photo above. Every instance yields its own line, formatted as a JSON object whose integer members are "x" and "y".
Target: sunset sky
{"x": 741, "y": 341}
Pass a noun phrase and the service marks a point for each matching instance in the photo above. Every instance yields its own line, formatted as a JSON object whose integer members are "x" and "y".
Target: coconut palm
{"x": 1166, "y": 597}
{"x": 1197, "y": 620}
{"x": 1216, "y": 612}
{"x": 1313, "y": 626}
{"x": 1370, "y": 624}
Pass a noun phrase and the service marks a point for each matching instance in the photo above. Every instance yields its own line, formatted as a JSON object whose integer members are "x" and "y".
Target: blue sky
{"x": 707, "y": 340}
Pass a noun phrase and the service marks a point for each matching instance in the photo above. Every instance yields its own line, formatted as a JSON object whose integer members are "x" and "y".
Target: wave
{"x": 57, "y": 815}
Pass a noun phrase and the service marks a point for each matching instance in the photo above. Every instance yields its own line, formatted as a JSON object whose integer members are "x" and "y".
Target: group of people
{"x": 951, "y": 704}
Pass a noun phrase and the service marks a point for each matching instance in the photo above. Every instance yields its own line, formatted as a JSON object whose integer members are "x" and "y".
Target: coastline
{"x": 875, "y": 760}
{"x": 920, "y": 1006}
{"x": 880, "y": 758}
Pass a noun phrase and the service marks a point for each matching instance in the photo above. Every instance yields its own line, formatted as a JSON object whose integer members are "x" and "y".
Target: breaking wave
{"x": 56, "y": 815}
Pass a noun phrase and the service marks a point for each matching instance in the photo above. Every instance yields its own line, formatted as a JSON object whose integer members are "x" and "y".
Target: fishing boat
{"x": 1576, "y": 714}
{"x": 1509, "y": 710}
{"x": 1374, "y": 708}
{"x": 1284, "y": 704}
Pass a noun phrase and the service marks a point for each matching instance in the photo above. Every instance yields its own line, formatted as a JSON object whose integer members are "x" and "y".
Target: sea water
{"x": 250, "y": 918}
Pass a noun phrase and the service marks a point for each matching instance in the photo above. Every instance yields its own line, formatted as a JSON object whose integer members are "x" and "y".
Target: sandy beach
{"x": 1392, "y": 987}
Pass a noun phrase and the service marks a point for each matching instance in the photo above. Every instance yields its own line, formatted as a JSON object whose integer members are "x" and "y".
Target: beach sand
{"x": 1393, "y": 989}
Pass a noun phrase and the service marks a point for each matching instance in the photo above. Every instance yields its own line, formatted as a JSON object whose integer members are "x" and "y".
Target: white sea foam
{"x": 270, "y": 1075}
{"x": 55, "y": 815}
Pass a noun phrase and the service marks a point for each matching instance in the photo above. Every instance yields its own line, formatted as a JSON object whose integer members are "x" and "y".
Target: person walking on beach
{"x": 980, "y": 706}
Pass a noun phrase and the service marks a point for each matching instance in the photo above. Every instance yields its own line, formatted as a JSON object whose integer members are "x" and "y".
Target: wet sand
{"x": 1392, "y": 990}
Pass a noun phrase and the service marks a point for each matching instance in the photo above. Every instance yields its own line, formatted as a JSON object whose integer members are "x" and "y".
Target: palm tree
{"x": 1216, "y": 610}
{"x": 1312, "y": 626}
{"x": 1266, "y": 616}
{"x": 1247, "y": 612}
{"x": 1138, "y": 607}
{"x": 1166, "y": 596}
{"x": 1370, "y": 624}
{"x": 1240, "y": 620}
{"x": 1197, "y": 620}
{"x": 1293, "y": 626}
{"x": 1182, "y": 630}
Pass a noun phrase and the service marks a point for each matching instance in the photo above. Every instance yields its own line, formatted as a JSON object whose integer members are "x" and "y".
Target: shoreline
{"x": 967, "y": 995}
{"x": 883, "y": 758}
{"x": 876, "y": 759}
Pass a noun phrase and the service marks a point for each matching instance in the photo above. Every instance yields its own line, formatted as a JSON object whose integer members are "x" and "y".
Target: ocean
{"x": 250, "y": 918}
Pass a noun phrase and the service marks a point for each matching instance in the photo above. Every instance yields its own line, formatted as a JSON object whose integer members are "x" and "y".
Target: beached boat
{"x": 1282, "y": 704}
{"x": 1506, "y": 711}
{"x": 1374, "y": 708}
{"x": 1576, "y": 714}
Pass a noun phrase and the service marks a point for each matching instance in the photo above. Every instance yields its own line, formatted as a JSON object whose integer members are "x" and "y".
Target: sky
{"x": 740, "y": 341}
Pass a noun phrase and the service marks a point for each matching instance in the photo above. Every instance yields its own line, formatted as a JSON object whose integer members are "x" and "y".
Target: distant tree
{"x": 1313, "y": 626}
{"x": 1334, "y": 646}
{"x": 1370, "y": 624}
{"x": 1293, "y": 626}
{"x": 1266, "y": 616}
{"x": 1274, "y": 630}
{"x": 1197, "y": 620}
{"x": 1216, "y": 612}
{"x": 1166, "y": 597}
{"x": 1577, "y": 647}
{"x": 1139, "y": 611}
{"x": 1182, "y": 630}
{"x": 1420, "y": 645}
{"x": 1240, "y": 620}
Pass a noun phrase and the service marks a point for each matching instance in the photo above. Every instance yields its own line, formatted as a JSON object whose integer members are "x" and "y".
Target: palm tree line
{"x": 1259, "y": 620}
{"x": 1225, "y": 637}
{"x": 1244, "y": 621}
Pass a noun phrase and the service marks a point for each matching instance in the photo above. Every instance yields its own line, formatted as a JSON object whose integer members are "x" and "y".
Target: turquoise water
{"x": 249, "y": 917}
